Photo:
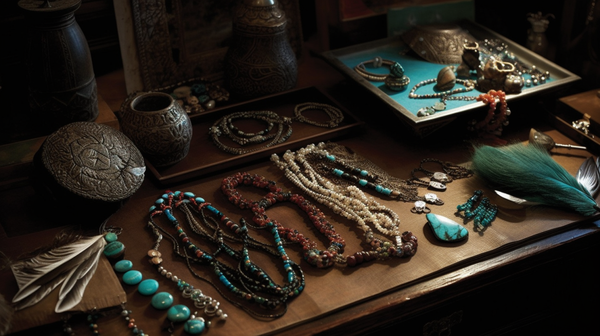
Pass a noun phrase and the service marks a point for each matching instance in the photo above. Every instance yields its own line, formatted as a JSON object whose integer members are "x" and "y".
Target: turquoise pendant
{"x": 194, "y": 326}
{"x": 178, "y": 313}
{"x": 446, "y": 229}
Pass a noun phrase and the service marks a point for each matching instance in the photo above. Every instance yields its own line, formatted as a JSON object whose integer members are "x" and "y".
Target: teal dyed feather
{"x": 529, "y": 172}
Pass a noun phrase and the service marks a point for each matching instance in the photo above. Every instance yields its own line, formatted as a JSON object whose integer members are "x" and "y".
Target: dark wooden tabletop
{"x": 407, "y": 295}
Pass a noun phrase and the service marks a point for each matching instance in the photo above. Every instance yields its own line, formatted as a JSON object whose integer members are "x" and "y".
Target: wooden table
{"x": 532, "y": 271}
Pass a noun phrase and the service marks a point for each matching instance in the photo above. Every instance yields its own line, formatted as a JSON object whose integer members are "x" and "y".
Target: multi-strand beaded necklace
{"x": 349, "y": 202}
{"x": 312, "y": 255}
{"x": 247, "y": 281}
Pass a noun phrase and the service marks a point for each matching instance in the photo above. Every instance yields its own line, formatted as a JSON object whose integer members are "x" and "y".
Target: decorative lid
{"x": 259, "y": 14}
{"x": 94, "y": 161}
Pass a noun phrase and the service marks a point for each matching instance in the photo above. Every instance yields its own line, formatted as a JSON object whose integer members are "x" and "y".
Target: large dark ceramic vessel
{"x": 60, "y": 75}
{"x": 260, "y": 60}
{"x": 158, "y": 125}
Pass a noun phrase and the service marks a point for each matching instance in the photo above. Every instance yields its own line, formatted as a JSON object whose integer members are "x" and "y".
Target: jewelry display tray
{"x": 204, "y": 157}
{"x": 418, "y": 69}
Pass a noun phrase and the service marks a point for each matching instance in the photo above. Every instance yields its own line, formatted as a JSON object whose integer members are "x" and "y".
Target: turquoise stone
{"x": 148, "y": 287}
{"x": 110, "y": 237}
{"x": 114, "y": 249}
{"x": 123, "y": 266}
{"x": 194, "y": 327}
{"x": 162, "y": 300}
{"x": 178, "y": 313}
{"x": 445, "y": 229}
{"x": 132, "y": 277}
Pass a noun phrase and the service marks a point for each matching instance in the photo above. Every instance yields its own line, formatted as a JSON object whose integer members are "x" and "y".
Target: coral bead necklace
{"x": 312, "y": 255}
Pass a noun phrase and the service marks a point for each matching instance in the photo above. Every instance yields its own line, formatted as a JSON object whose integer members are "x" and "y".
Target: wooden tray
{"x": 204, "y": 157}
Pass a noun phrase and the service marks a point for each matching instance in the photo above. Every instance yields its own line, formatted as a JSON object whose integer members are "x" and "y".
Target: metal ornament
{"x": 433, "y": 199}
{"x": 437, "y": 185}
{"x": 420, "y": 207}
{"x": 441, "y": 177}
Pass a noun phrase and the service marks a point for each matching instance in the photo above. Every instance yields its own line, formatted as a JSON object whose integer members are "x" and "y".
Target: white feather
{"x": 38, "y": 276}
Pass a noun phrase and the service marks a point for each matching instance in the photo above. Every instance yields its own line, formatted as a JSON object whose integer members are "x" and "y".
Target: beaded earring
{"x": 468, "y": 205}
{"x": 483, "y": 215}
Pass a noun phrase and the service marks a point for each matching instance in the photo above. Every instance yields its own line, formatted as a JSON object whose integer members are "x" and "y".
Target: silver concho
{"x": 437, "y": 185}
{"x": 433, "y": 199}
{"x": 441, "y": 177}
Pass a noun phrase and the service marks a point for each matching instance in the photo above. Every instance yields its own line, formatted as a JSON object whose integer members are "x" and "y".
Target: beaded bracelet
{"x": 223, "y": 126}
{"x": 495, "y": 118}
{"x": 376, "y": 62}
{"x": 336, "y": 116}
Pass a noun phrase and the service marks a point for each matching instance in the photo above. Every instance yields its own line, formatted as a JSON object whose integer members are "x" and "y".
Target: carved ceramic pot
{"x": 260, "y": 59}
{"x": 159, "y": 127}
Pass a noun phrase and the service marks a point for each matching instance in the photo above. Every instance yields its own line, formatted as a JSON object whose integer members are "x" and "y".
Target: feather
{"x": 73, "y": 264}
{"x": 530, "y": 173}
{"x": 589, "y": 176}
{"x": 73, "y": 287}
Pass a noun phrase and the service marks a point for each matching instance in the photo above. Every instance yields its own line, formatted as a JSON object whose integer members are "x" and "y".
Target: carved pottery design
{"x": 159, "y": 127}
{"x": 441, "y": 44}
{"x": 94, "y": 161}
{"x": 79, "y": 104}
{"x": 60, "y": 74}
{"x": 260, "y": 60}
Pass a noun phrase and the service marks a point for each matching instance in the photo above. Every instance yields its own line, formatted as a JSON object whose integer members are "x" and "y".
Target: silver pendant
{"x": 437, "y": 185}
{"x": 441, "y": 177}
{"x": 433, "y": 199}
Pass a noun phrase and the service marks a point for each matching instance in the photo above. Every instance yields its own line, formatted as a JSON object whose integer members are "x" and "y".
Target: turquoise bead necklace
{"x": 249, "y": 271}
{"x": 209, "y": 305}
{"x": 245, "y": 281}
{"x": 335, "y": 160}
{"x": 162, "y": 300}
